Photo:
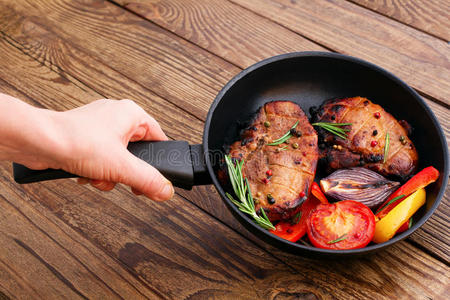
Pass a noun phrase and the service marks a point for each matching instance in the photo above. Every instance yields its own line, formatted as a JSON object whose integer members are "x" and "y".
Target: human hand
{"x": 95, "y": 139}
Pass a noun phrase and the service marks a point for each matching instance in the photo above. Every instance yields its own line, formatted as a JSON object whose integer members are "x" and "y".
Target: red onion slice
{"x": 359, "y": 184}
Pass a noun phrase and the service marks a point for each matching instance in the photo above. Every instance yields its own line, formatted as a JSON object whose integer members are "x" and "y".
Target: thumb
{"x": 143, "y": 177}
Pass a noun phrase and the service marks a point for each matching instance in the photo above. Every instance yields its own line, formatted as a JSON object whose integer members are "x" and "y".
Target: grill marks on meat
{"x": 293, "y": 170}
{"x": 366, "y": 140}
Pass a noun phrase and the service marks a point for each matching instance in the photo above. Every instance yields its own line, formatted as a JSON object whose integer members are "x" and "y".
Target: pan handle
{"x": 183, "y": 164}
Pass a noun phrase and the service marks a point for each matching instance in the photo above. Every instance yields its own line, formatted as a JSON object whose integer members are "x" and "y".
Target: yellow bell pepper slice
{"x": 386, "y": 227}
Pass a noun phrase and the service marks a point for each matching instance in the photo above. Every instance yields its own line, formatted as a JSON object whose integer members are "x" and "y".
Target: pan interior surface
{"x": 309, "y": 80}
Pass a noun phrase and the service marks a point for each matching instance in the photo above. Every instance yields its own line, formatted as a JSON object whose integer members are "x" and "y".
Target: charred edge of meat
{"x": 285, "y": 211}
{"x": 409, "y": 129}
{"x": 318, "y": 111}
{"x": 329, "y": 162}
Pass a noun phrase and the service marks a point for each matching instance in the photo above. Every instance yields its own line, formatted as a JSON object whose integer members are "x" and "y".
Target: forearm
{"x": 28, "y": 134}
{"x": 90, "y": 141}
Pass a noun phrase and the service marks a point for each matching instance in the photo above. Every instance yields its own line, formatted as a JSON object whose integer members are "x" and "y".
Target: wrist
{"x": 28, "y": 135}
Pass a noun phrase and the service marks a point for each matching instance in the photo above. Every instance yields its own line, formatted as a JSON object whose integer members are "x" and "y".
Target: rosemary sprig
{"x": 335, "y": 128}
{"x": 390, "y": 202}
{"x": 284, "y": 138}
{"x": 242, "y": 191}
{"x": 386, "y": 147}
{"x": 343, "y": 237}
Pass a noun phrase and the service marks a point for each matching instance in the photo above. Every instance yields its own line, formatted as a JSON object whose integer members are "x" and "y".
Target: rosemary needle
{"x": 335, "y": 128}
{"x": 386, "y": 147}
{"x": 343, "y": 237}
{"x": 242, "y": 191}
{"x": 284, "y": 138}
{"x": 389, "y": 203}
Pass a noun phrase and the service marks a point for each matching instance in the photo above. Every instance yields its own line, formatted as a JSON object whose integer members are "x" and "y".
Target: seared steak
{"x": 366, "y": 140}
{"x": 279, "y": 176}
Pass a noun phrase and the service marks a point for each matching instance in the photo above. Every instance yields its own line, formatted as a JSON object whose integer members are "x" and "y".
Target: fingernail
{"x": 166, "y": 192}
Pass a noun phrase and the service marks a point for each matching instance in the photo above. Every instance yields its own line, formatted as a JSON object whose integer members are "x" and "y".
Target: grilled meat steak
{"x": 366, "y": 140}
{"x": 279, "y": 176}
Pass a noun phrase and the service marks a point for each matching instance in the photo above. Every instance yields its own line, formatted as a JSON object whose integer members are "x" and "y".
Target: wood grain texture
{"x": 434, "y": 234}
{"x": 98, "y": 83}
{"x": 223, "y": 28}
{"x": 100, "y": 222}
{"x": 42, "y": 257}
{"x": 431, "y": 16}
{"x": 156, "y": 59}
{"x": 220, "y": 211}
{"x": 142, "y": 246}
{"x": 419, "y": 59}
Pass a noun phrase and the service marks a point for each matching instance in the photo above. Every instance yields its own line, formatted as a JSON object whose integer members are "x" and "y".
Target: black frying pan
{"x": 307, "y": 78}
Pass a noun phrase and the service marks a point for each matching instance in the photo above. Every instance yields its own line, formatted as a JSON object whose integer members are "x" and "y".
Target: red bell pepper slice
{"x": 418, "y": 181}
{"x": 317, "y": 192}
{"x": 296, "y": 228}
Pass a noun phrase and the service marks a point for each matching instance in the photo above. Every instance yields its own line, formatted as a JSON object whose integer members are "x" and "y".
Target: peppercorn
{"x": 295, "y": 145}
{"x": 373, "y": 143}
{"x": 270, "y": 199}
{"x": 267, "y": 124}
{"x": 375, "y": 132}
{"x": 269, "y": 172}
{"x": 377, "y": 115}
{"x": 295, "y": 132}
{"x": 302, "y": 194}
{"x": 265, "y": 180}
{"x": 404, "y": 142}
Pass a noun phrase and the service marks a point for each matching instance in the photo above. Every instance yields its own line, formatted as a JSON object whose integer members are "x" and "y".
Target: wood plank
{"x": 431, "y": 16}
{"x": 434, "y": 235}
{"x": 86, "y": 68}
{"x": 154, "y": 58}
{"x": 38, "y": 258}
{"x": 104, "y": 224}
{"x": 223, "y": 28}
{"x": 419, "y": 59}
{"x": 189, "y": 18}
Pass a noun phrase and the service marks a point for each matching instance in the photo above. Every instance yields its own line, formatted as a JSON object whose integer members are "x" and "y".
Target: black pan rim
{"x": 351, "y": 59}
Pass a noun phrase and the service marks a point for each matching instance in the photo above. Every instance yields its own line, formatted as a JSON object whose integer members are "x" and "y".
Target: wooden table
{"x": 63, "y": 240}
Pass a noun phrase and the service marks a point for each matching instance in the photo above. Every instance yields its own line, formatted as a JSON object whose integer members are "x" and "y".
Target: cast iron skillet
{"x": 307, "y": 78}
